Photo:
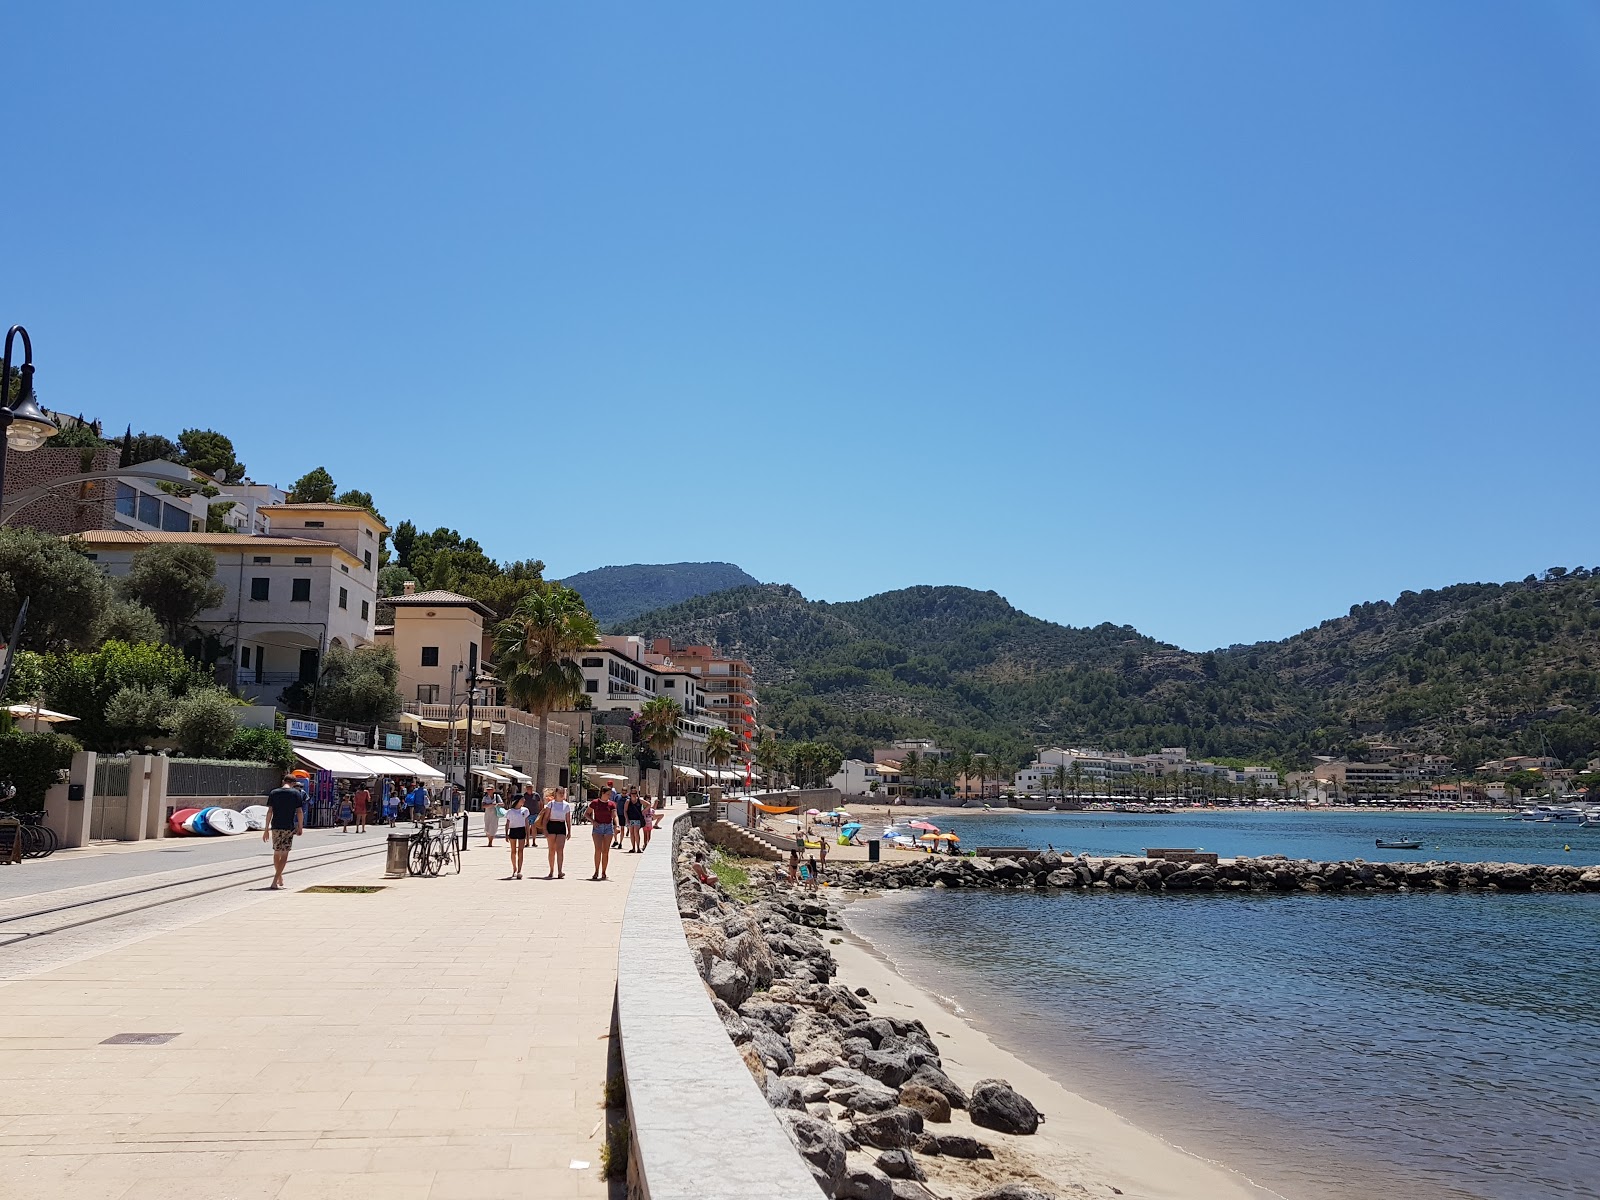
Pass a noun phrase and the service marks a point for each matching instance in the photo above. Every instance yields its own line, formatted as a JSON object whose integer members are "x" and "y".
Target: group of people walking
{"x": 528, "y": 815}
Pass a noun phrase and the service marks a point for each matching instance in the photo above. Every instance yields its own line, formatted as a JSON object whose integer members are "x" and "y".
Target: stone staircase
{"x": 744, "y": 842}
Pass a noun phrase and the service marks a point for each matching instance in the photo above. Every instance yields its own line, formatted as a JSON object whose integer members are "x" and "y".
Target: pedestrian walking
{"x": 616, "y": 801}
{"x": 491, "y": 816}
{"x": 603, "y": 812}
{"x": 557, "y": 824}
{"x": 361, "y": 801}
{"x": 649, "y": 817}
{"x": 534, "y": 803}
{"x": 516, "y": 834}
{"x": 286, "y": 807}
{"x": 633, "y": 813}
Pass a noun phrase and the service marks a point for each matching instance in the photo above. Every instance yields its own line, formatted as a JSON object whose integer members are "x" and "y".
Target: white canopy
{"x": 342, "y": 765}
{"x": 515, "y": 774}
{"x": 593, "y": 774}
{"x": 689, "y": 771}
{"x": 491, "y": 773}
{"x": 401, "y": 764}
{"x": 30, "y": 712}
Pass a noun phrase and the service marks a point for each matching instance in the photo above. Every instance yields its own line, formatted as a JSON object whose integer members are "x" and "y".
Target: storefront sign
{"x": 301, "y": 729}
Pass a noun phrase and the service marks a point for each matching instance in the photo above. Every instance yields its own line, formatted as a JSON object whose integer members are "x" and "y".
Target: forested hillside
{"x": 1474, "y": 671}
{"x": 618, "y": 593}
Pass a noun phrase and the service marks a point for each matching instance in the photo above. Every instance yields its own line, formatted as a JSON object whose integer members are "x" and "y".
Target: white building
{"x": 857, "y": 778}
{"x": 623, "y": 675}
{"x": 286, "y": 600}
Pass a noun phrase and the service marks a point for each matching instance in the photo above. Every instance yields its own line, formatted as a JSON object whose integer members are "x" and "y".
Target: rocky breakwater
{"x": 863, "y": 1097}
{"x": 1055, "y": 871}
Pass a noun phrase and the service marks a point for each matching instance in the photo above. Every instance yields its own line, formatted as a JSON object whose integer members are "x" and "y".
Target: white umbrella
{"x": 39, "y": 716}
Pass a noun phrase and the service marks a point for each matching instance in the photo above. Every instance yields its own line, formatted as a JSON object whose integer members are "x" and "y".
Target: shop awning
{"x": 408, "y": 764}
{"x": 593, "y": 774}
{"x": 515, "y": 774}
{"x": 342, "y": 765}
{"x": 689, "y": 771}
{"x": 406, "y": 718}
{"x": 491, "y": 773}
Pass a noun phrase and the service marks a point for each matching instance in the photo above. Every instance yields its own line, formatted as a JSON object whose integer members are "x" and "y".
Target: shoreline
{"x": 1082, "y": 1142}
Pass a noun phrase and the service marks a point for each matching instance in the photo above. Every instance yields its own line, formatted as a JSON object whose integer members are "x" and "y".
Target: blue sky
{"x": 1209, "y": 318}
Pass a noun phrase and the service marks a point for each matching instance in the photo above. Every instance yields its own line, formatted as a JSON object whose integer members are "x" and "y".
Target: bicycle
{"x": 433, "y": 848}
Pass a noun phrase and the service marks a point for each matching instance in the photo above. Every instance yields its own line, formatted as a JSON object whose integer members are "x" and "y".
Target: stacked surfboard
{"x": 210, "y": 822}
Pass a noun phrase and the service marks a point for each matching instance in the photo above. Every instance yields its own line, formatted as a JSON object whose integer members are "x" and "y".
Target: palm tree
{"x": 719, "y": 747}
{"x": 658, "y": 721}
{"x": 533, "y": 653}
{"x": 1077, "y": 780}
{"x": 909, "y": 768}
{"x": 769, "y": 757}
{"x": 1060, "y": 778}
{"x": 961, "y": 765}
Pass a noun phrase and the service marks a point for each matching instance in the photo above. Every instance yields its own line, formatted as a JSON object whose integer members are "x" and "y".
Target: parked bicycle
{"x": 28, "y": 829}
{"x": 433, "y": 848}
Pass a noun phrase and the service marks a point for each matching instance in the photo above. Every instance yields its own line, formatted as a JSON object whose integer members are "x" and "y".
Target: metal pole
{"x": 472, "y": 699}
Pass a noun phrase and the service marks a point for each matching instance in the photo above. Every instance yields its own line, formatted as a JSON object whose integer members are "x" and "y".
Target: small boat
{"x": 1398, "y": 845}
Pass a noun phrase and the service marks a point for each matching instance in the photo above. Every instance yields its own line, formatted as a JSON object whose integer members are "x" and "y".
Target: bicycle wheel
{"x": 418, "y": 864}
{"x": 436, "y": 853}
{"x": 455, "y": 854}
{"x": 34, "y": 844}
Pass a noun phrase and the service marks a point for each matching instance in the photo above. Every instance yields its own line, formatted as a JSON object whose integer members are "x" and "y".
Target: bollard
{"x": 872, "y": 849}
{"x": 399, "y": 856}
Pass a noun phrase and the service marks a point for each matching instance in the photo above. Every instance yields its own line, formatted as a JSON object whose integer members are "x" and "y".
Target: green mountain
{"x": 1474, "y": 671}
{"x": 620, "y": 593}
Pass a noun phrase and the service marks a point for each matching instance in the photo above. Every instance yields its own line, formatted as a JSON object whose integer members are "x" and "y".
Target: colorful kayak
{"x": 178, "y": 822}
{"x": 226, "y": 821}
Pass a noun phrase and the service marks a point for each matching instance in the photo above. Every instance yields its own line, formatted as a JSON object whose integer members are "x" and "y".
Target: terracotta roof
{"x": 215, "y": 541}
{"x": 291, "y": 508}
{"x": 438, "y": 599}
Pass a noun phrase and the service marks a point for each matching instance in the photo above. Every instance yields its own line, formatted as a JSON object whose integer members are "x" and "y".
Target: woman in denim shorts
{"x": 603, "y": 812}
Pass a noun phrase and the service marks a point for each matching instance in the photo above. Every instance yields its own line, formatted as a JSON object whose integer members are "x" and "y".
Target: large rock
{"x": 821, "y": 1147}
{"x": 910, "y": 1189}
{"x": 995, "y": 1104}
{"x": 892, "y": 1129}
{"x": 781, "y": 1093}
{"x": 889, "y": 1068}
{"x": 940, "y": 1082}
{"x": 1015, "y": 1191}
{"x": 774, "y": 1050}
{"x": 728, "y": 982}
{"x": 899, "y": 1164}
{"x": 776, "y": 1017}
{"x": 928, "y": 1101}
{"x": 865, "y": 1183}
{"x": 959, "y": 1145}
{"x": 864, "y": 1100}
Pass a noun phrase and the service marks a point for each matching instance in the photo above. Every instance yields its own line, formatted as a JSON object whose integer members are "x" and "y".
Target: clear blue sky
{"x": 1210, "y": 318}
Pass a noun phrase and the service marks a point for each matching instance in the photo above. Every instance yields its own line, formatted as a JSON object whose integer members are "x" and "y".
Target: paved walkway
{"x": 443, "y": 1038}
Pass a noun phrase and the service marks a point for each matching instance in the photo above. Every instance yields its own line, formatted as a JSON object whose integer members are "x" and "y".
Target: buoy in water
{"x": 1568, "y": 849}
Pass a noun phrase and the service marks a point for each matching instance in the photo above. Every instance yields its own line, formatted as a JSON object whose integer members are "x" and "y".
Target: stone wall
{"x": 69, "y": 509}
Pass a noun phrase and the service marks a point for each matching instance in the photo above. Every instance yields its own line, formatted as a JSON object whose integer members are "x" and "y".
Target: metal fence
{"x": 194, "y": 778}
{"x": 111, "y": 777}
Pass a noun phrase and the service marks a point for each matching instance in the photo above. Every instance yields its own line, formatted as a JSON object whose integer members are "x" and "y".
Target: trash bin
{"x": 873, "y": 845}
{"x": 399, "y": 852}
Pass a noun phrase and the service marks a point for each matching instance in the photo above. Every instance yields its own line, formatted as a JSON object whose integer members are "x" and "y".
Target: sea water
{"x": 1325, "y": 1046}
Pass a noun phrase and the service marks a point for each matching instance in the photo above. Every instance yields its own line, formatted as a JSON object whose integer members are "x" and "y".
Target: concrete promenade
{"x": 443, "y": 1038}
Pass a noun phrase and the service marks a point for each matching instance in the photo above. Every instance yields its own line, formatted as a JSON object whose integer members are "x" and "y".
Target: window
{"x": 262, "y": 558}
{"x": 427, "y": 693}
{"x": 344, "y": 597}
{"x": 302, "y": 562}
{"x": 174, "y": 519}
{"x": 344, "y": 568}
{"x": 149, "y": 511}
{"x": 244, "y": 658}
{"x": 366, "y": 556}
{"x": 313, "y": 524}
{"x": 430, "y": 656}
{"x": 593, "y": 662}
{"x": 591, "y": 685}
{"x": 671, "y": 683}
{"x": 260, "y": 588}
{"x": 127, "y": 500}
{"x": 300, "y": 591}
{"x": 91, "y": 557}
{"x": 364, "y": 610}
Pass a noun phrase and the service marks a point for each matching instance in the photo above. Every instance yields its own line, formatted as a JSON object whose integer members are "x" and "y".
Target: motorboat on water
{"x": 1398, "y": 844}
{"x": 1558, "y": 814}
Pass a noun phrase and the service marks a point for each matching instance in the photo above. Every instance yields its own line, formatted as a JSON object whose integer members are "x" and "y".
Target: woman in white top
{"x": 491, "y": 815}
{"x": 557, "y": 825}
{"x": 517, "y": 834}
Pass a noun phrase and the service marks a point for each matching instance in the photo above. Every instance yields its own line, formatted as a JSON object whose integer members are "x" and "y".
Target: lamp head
{"x": 28, "y": 427}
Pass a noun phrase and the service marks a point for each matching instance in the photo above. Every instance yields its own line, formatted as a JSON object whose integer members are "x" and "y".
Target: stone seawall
{"x": 1054, "y": 871}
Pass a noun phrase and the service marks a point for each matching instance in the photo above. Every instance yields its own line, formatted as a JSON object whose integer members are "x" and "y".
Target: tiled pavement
{"x": 443, "y": 1038}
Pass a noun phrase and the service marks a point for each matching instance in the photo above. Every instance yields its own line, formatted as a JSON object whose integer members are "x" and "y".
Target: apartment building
{"x": 286, "y": 600}
{"x": 623, "y": 674}
{"x": 726, "y": 684}
{"x": 438, "y": 640}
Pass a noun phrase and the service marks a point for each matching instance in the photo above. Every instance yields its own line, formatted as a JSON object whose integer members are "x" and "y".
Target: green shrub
{"x": 137, "y": 713}
{"x": 31, "y": 762}
{"x": 261, "y": 745}
{"x": 203, "y": 722}
{"x": 83, "y": 684}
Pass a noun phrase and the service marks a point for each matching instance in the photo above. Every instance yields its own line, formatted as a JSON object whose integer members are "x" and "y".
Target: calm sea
{"x": 1325, "y": 1046}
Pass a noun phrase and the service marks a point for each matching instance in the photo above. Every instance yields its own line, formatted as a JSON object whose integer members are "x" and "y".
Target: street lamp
{"x": 24, "y": 422}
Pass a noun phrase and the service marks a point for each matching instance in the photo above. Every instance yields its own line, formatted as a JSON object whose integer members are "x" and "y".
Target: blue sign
{"x": 394, "y": 741}
{"x": 301, "y": 729}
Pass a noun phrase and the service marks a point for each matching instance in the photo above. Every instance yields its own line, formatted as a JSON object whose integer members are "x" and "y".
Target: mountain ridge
{"x": 617, "y": 593}
{"x": 1474, "y": 670}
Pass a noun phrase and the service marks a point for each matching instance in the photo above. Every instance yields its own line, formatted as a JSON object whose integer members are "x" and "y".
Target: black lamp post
{"x": 23, "y": 422}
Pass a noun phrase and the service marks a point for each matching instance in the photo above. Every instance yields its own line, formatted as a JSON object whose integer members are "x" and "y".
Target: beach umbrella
{"x": 813, "y": 812}
{"x": 923, "y": 825}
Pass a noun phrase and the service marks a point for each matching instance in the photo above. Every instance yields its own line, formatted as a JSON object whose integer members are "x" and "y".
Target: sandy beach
{"x": 1083, "y": 1148}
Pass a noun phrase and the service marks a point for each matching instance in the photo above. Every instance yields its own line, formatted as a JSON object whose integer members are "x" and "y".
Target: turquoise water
{"x": 1461, "y": 837}
{"x": 1432, "y": 1045}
